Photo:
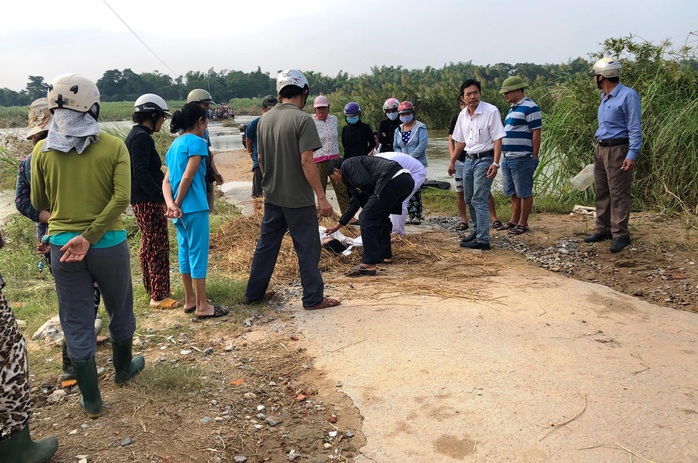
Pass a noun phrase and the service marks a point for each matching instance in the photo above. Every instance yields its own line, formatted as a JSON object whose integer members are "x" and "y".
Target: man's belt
{"x": 613, "y": 142}
{"x": 484, "y": 154}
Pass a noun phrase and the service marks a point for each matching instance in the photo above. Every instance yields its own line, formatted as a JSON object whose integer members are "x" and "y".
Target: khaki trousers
{"x": 612, "y": 189}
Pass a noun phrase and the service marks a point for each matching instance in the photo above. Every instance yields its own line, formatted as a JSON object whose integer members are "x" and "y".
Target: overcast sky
{"x": 49, "y": 37}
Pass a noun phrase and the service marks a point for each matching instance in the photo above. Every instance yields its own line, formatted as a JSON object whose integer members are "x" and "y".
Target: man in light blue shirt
{"x": 618, "y": 143}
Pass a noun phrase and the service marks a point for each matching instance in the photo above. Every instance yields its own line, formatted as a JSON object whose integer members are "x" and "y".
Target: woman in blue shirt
{"x": 184, "y": 189}
{"x": 411, "y": 138}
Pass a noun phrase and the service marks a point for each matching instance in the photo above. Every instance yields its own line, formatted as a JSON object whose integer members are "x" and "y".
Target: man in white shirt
{"x": 479, "y": 131}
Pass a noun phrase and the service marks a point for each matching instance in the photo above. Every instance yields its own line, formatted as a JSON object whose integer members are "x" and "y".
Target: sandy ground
{"x": 518, "y": 364}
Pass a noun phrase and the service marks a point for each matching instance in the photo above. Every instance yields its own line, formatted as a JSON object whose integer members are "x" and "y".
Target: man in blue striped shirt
{"x": 618, "y": 142}
{"x": 520, "y": 147}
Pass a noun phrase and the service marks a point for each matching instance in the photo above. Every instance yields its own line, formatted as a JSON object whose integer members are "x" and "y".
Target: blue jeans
{"x": 517, "y": 175}
{"x": 476, "y": 191}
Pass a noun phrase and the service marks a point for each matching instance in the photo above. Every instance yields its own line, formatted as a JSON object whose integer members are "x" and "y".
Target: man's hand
{"x": 331, "y": 230}
{"x": 325, "y": 207}
{"x": 492, "y": 171}
{"x": 172, "y": 211}
{"x": 219, "y": 178}
{"x": 628, "y": 164}
{"x": 451, "y": 168}
{"x": 75, "y": 249}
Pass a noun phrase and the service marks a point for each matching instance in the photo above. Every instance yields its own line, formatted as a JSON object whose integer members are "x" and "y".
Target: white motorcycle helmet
{"x": 291, "y": 77}
{"x": 73, "y": 91}
{"x": 607, "y": 67}
{"x": 150, "y": 103}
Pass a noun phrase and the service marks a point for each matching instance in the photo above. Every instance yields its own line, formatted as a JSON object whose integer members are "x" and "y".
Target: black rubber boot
{"x": 68, "y": 372}
{"x": 91, "y": 400}
{"x": 20, "y": 448}
{"x": 125, "y": 365}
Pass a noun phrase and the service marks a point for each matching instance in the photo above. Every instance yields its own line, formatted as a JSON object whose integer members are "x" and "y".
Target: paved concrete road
{"x": 446, "y": 380}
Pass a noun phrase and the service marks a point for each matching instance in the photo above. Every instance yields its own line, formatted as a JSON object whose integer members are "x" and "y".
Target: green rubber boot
{"x": 125, "y": 365}
{"x": 20, "y": 448}
{"x": 68, "y": 372}
{"x": 91, "y": 400}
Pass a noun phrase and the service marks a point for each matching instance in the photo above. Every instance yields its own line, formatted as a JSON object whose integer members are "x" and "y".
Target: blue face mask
{"x": 352, "y": 119}
{"x": 392, "y": 116}
{"x": 407, "y": 119}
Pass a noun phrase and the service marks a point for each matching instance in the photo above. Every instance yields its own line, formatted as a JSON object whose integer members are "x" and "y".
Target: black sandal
{"x": 218, "y": 311}
{"x": 360, "y": 270}
{"x": 506, "y": 226}
{"x": 462, "y": 226}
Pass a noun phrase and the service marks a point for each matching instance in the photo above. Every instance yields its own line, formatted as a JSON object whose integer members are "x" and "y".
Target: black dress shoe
{"x": 476, "y": 245}
{"x": 596, "y": 237}
{"x": 619, "y": 243}
{"x": 469, "y": 237}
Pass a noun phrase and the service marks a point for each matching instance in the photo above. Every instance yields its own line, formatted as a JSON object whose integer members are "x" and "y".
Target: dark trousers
{"x": 375, "y": 218}
{"x": 612, "y": 189}
{"x": 257, "y": 183}
{"x": 302, "y": 224}
{"x": 111, "y": 269}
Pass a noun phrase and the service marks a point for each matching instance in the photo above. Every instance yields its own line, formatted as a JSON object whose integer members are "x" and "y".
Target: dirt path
{"x": 518, "y": 363}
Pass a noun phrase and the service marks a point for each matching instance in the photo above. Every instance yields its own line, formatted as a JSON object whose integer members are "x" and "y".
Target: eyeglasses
{"x": 387, "y": 111}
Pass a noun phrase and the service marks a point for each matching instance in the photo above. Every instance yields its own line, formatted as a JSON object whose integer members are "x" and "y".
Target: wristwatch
{"x": 496, "y": 164}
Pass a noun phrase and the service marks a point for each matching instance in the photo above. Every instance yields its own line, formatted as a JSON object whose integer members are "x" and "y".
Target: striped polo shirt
{"x": 522, "y": 119}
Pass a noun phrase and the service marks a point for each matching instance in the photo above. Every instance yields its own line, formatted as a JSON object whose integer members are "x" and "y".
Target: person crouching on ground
{"x": 419, "y": 175}
{"x": 83, "y": 176}
{"x": 379, "y": 186}
{"x": 184, "y": 189}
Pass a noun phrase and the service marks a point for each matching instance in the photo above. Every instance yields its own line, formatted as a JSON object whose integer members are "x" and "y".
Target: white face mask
{"x": 407, "y": 119}
{"x": 392, "y": 116}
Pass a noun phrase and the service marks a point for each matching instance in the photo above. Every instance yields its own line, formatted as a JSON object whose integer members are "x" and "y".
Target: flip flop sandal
{"x": 326, "y": 303}
{"x": 360, "y": 271}
{"x": 496, "y": 224}
{"x": 166, "y": 304}
{"x": 189, "y": 309}
{"x": 218, "y": 311}
{"x": 387, "y": 261}
{"x": 506, "y": 226}
{"x": 518, "y": 230}
{"x": 462, "y": 226}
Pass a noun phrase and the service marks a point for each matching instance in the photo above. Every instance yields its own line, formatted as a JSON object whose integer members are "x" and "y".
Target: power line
{"x": 141, "y": 40}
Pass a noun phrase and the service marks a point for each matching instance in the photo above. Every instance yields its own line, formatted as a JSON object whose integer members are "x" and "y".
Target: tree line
{"x": 225, "y": 85}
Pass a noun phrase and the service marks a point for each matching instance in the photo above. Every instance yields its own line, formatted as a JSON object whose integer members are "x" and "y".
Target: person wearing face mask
{"x": 386, "y": 127}
{"x": 411, "y": 138}
{"x": 357, "y": 136}
{"x": 327, "y": 127}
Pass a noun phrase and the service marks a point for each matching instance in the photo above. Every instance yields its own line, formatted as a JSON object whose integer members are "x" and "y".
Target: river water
{"x": 228, "y": 138}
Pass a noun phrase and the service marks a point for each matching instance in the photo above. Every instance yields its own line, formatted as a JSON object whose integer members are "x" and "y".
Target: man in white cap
{"x": 286, "y": 138}
{"x": 618, "y": 143}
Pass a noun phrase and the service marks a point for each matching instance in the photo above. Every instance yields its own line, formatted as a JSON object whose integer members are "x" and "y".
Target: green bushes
{"x": 666, "y": 81}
